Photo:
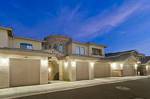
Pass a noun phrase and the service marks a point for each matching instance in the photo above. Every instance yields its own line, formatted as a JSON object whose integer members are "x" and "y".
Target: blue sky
{"x": 119, "y": 24}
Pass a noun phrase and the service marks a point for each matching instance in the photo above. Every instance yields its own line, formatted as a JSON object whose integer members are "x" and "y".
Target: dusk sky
{"x": 118, "y": 24}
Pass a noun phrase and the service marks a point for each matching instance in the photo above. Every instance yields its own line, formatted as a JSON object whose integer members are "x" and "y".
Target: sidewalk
{"x": 9, "y": 93}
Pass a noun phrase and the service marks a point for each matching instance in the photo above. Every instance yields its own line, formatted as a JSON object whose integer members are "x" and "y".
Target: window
{"x": 79, "y": 50}
{"x": 82, "y": 50}
{"x": 96, "y": 51}
{"x": 26, "y": 46}
{"x": 61, "y": 48}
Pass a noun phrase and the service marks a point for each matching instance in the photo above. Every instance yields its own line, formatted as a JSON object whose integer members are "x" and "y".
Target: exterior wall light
{"x": 4, "y": 61}
{"x": 147, "y": 67}
{"x": 65, "y": 64}
{"x": 49, "y": 69}
{"x": 114, "y": 66}
{"x": 121, "y": 66}
{"x": 135, "y": 66}
{"x": 92, "y": 64}
{"x": 73, "y": 64}
{"x": 44, "y": 62}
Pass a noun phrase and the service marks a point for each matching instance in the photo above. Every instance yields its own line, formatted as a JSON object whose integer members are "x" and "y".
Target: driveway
{"x": 137, "y": 89}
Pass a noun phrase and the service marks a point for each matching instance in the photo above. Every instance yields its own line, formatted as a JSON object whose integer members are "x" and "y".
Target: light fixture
{"x": 73, "y": 63}
{"x": 135, "y": 66}
{"x": 4, "y": 61}
{"x": 121, "y": 66}
{"x": 44, "y": 62}
{"x": 114, "y": 66}
{"x": 49, "y": 69}
{"x": 92, "y": 64}
{"x": 65, "y": 64}
{"x": 147, "y": 67}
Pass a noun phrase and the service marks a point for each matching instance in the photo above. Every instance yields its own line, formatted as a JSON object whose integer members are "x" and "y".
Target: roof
{"x": 145, "y": 60}
{"x": 119, "y": 53}
{"x": 57, "y": 36}
{"x": 119, "y": 56}
{"x": 27, "y": 39}
{"x": 8, "y": 29}
{"x": 23, "y": 51}
{"x": 5, "y": 28}
{"x": 89, "y": 43}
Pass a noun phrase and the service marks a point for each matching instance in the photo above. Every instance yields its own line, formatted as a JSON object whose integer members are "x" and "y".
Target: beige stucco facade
{"x": 128, "y": 67}
{"x": 7, "y": 58}
{"x": 88, "y": 49}
{"x": 21, "y": 66}
{"x": 36, "y": 44}
{"x": 14, "y": 42}
{"x": 4, "y": 39}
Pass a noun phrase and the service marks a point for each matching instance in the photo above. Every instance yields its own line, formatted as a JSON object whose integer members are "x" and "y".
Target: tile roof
{"x": 145, "y": 60}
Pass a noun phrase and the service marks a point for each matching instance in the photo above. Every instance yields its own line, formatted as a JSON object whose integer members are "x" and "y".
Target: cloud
{"x": 98, "y": 25}
{"x": 75, "y": 22}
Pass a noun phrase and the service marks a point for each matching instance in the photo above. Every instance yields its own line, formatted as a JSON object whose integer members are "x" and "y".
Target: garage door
{"x": 101, "y": 70}
{"x": 82, "y": 71}
{"x": 24, "y": 72}
{"x": 128, "y": 70}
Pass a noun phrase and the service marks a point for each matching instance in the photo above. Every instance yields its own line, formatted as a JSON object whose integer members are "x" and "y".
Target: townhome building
{"x": 22, "y": 61}
{"x": 79, "y": 61}
{"x": 145, "y": 66}
{"x": 125, "y": 63}
{"x": 25, "y": 61}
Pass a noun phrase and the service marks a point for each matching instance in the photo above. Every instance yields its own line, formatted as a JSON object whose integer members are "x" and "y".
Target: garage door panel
{"x": 128, "y": 70}
{"x": 24, "y": 72}
{"x": 101, "y": 70}
{"x": 82, "y": 71}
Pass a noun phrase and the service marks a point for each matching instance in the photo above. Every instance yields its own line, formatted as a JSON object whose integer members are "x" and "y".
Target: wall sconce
{"x": 4, "y": 61}
{"x": 65, "y": 64}
{"x": 121, "y": 66}
{"x": 92, "y": 64}
{"x": 135, "y": 66}
{"x": 114, "y": 66}
{"x": 73, "y": 64}
{"x": 49, "y": 69}
{"x": 44, "y": 62}
{"x": 147, "y": 67}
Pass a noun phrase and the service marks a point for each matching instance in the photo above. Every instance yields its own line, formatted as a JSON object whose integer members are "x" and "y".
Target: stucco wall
{"x": 5, "y": 68}
{"x": 3, "y": 38}
{"x": 4, "y": 72}
{"x": 36, "y": 45}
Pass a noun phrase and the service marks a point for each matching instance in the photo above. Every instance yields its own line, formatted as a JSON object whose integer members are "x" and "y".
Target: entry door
{"x": 24, "y": 72}
{"x": 101, "y": 70}
{"x": 82, "y": 71}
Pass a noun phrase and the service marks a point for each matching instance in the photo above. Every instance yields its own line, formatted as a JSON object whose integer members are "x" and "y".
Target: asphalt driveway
{"x": 138, "y": 89}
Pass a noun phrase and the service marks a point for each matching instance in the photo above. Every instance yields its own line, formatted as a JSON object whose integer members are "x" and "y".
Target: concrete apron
{"x": 62, "y": 86}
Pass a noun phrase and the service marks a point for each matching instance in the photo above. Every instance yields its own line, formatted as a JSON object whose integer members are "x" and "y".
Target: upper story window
{"x": 26, "y": 46}
{"x": 59, "y": 47}
{"x": 79, "y": 50}
{"x": 96, "y": 51}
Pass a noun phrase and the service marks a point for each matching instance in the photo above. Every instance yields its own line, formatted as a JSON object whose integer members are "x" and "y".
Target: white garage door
{"x": 24, "y": 72}
{"x": 128, "y": 70}
{"x": 82, "y": 71}
{"x": 101, "y": 70}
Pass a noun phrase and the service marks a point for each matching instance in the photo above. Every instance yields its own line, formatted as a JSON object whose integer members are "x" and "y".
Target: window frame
{"x": 98, "y": 51}
{"x": 26, "y": 46}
